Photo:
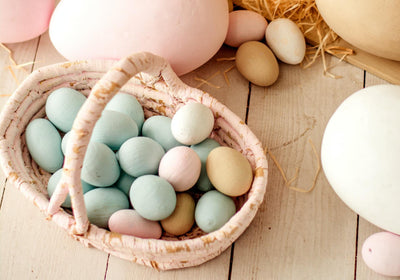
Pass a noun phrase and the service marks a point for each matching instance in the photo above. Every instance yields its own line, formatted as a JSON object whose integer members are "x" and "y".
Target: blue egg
{"x": 101, "y": 203}
{"x": 202, "y": 150}
{"x": 52, "y": 184}
{"x": 153, "y": 197}
{"x": 158, "y": 128}
{"x": 127, "y": 104}
{"x": 114, "y": 128}
{"x": 64, "y": 142}
{"x": 140, "y": 156}
{"x": 44, "y": 144}
{"x": 124, "y": 182}
{"x": 62, "y": 106}
{"x": 100, "y": 166}
{"x": 213, "y": 210}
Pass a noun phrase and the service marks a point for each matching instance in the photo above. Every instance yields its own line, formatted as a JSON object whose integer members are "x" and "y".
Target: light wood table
{"x": 293, "y": 236}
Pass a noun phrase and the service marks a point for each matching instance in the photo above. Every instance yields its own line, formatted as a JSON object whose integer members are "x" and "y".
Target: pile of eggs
{"x": 144, "y": 176}
{"x": 255, "y": 60}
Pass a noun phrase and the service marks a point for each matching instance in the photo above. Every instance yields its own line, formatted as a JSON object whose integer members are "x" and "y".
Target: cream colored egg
{"x": 182, "y": 219}
{"x": 286, "y": 40}
{"x": 256, "y": 62}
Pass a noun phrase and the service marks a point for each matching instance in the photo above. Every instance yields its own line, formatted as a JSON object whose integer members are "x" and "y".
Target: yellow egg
{"x": 229, "y": 171}
{"x": 182, "y": 219}
{"x": 256, "y": 62}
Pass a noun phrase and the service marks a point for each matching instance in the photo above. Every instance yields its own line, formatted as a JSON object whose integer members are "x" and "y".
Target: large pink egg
{"x": 22, "y": 20}
{"x": 186, "y": 33}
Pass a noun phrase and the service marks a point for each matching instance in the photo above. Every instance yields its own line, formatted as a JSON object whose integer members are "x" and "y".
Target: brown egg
{"x": 229, "y": 171}
{"x": 182, "y": 219}
{"x": 256, "y": 62}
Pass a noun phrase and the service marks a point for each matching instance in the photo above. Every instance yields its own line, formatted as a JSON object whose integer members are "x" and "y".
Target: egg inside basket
{"x": 160, "y": 92}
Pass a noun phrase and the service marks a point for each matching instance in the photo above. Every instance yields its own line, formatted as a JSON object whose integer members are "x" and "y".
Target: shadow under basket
{"x": 152, "y": 81}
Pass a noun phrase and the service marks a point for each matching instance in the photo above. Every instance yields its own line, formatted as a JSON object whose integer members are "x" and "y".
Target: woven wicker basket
{"x": 159, "y": 91}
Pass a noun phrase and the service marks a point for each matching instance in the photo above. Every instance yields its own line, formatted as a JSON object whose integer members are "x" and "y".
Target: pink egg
{"x": 245, "y": 26}
{"x": 181, "y": 167}
{"x": 22, "y": 20}
{"x": 381, "y": 253}
{"x": 129, "y": 222}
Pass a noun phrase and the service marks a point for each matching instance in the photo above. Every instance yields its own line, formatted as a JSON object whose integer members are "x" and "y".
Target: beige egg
{"x": 229, "y": 171}
{"x": 182, "y": 219}
{"x": 256, "y": 62}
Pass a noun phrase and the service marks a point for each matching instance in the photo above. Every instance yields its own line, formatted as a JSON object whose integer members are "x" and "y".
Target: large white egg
{"x": 360, "y": 154}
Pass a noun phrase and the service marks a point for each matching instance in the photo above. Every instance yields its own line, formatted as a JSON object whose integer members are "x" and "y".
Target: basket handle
{"x": 87, "y": 117}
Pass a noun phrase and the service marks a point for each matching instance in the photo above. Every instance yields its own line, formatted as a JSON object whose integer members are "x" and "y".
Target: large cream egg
{"x": 186, "y": 33}
{"x": 360, "y": 154}
{"x": 373, "y": 26}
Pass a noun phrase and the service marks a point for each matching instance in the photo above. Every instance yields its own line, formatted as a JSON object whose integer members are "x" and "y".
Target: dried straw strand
{"x": 206, "y": 81}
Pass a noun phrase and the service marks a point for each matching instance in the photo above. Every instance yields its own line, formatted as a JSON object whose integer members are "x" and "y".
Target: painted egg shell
{"x": 113, "y": 129}
{"x": 44, "y": 144}
{"x": 192, "y": 123}
{"x": 52, "y": 184}
{"x": 127, "y": 104}
{"x": 186, "y": 34}
{"x": 153, "y": 197}
{"x": 213, "y": 210}
{"x": 203, "y": 149}
{"x": 140, "y": 155}
{"x": 101, "y": 203}
{"x": 124, "y": 182}
{"x": 180, "y": 166}
{"x": 381, "y": 252}
{"x": 129, "y": 222}
{"x": 245, "y": 25}
{"x": 182, "y": 219}
{"x": 62, "y": 106}
{"x": 158, "y": 128}
{"x": 100, "y": 167}
{"x": 229, "y": 171}
{"x": 286, "y": 40}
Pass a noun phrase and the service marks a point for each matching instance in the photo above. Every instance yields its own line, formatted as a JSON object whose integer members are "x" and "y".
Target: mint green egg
{"x": 62, "y": 106}
{"x": 124, "y": 182}
{"x": 101, "y": 203}
{"x": 44, "y": 144}
{"x": 158, "y": 128}
{"x": 114, "y": 128}
{"x": 64, "y": 142}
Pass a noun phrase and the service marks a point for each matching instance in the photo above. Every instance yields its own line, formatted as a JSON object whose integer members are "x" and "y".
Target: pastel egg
{"x": 256, "y": 62}
{"x": 381, "y": 253}
{"x": 124, "y": 182}
{"x": 153, "y": 197}
{"x": 140, "y": 155}
{"x": 192, "y": 123}
{"x": 62, "y": 106}
{"x": 129, "y": 222}
{"x": 245, "y": 25}
{"x": 64, "y": 142}
{"x": 101, "y": 203}
{"x": 44, "y": 144}
{"x": 229, "y": 171}
{"x": 213, "y": 210}
{"x": 113, "y": 129}
{"x": 100, "y": 166}
{"x": 127, "y": 104}
{"x": 52, "y": 184}
{"x": 180, "y": 166}
{"x": 202, "y": 150}
{"x": 158, "y": 128}
{"x": 286, "y": 40}
{"x": 182, "y": 219}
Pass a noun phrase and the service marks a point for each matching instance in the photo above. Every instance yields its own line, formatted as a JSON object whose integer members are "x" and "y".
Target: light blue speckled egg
{"x": 114, "y": 128}
{"x": 100, "y": 166}
{"x": 153, "y": 197}
{"x": 140, "y": 156}
{"x": 213, "y": 210}
{"x": 62, "y": 106}
{"x": 127, "y": 104}
{"x": 124, "y": 182}
{"x": 202, "y": 150}
{"x": 101, "y": 203}
{"x": 52, "y": 184}
{"x": 158, "y": 128}
{"x": 44, "y": 144}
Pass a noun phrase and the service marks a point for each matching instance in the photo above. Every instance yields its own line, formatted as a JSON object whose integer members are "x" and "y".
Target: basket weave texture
{"x": 152, "y": 81}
